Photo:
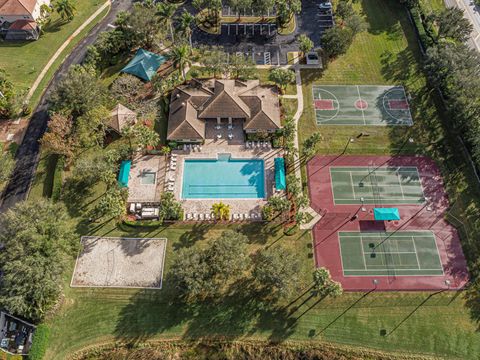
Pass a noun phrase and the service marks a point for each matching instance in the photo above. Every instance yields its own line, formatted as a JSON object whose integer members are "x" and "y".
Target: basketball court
{"x": 361, "y": 105}
{"x": 417, "y": 249}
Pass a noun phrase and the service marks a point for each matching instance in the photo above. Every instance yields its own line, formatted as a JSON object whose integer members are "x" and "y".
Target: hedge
{"x": 58, "y": 178}
{"x": 40, "y": 342}
{"x": 425, "y": 40}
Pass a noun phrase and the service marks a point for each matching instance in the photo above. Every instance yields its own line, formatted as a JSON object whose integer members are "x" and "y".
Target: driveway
{"x": 28, "y": 153}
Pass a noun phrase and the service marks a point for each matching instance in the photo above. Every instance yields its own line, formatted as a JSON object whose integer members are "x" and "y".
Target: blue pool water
{"x": 224, "y": 178}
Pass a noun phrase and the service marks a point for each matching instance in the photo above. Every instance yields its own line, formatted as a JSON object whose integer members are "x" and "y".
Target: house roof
{"x": 195, "y": 101}
{"x": 120, "y": 117}
{"x": 25, "y": 25}
{"x": 144, "y": 64}
{"x": 17, "y": 7}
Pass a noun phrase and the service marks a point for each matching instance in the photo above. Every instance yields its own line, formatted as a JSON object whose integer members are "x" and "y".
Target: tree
{"x": 11, "y": 101}
{"x": 323, "y": 285}
{"x": 187, "y": 20}
{"x": 78, "y": 92}
{"x": 39, "y": 243}
{"x": 279, "y": 204}
{"x": 191, "y": 275}
{"x": 452, "y": 25}
{"x": 90, "y": 128}
{"x": 126, "y": 88}
{"x": 344, "y": 9}
{"x": 286, "y": 9}
{"x": 242, "y": 68}
{"x": 213, "y": 8}
{"x": 306, "y": 44}
{"x": 308, "y": 149}
{"x": 336, "y": 41}
{"x": 263, "y": 6}
{"x": 282, "y": 77}
{"x": 170, "y": 209}
{"x": 140, "y": 137}
{"x": 112, "y": 204}
{"x": 65, "y": 8}
{"x": 7, "y": 163}
{"x": 221, "y": 211}
{"x": 165, "y": 12}
{"x": 276, "y": 268}
{"x": 59, "y": 138}
{"x": 228, "y": 256}
{"x": 180, "y": 57}
{"x": 240, "y": 5}
{"x": 356, "y": 24}
{"x": 214, "y": 60}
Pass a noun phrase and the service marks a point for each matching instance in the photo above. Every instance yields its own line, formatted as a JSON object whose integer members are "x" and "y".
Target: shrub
{"x": 40, "y": 342}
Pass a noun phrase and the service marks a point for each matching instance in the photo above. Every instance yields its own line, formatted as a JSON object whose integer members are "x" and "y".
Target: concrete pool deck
{"x": 210, "y": 150}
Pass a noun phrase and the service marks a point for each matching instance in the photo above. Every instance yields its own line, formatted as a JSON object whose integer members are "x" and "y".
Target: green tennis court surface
{"x": 406, "y": 253}
{"x": 377, "y": 186}
{"x": 361, "y": 105}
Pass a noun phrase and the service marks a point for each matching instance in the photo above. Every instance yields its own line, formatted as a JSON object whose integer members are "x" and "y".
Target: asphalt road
{"x": 28, "y": 153}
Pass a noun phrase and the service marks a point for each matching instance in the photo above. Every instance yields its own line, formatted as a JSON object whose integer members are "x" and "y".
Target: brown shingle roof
{"x": 120, "y": 117}
{"x": 17, "y": 7}
{"x": 196, "y": 100}
{"x": 225, "y": 102}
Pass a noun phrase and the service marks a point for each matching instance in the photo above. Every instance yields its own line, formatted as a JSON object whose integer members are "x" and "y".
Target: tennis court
{"x": 401, "y": 253}
{"x": 361, "y": 105}
{"x": 376, "y": 185}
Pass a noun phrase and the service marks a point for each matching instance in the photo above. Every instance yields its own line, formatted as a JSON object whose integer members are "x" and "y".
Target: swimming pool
{"x": 225, "y": 178}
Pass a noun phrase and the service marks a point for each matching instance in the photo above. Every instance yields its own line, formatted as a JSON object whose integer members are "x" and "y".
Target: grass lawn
{"x": 415, "y": 322}
{"x": 31, "y": 57}
{"x": 441, "y": 324}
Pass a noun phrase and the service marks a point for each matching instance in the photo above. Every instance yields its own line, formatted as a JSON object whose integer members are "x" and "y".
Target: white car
{"x": 325, "y": 6}
{"x": 312, "y": 58}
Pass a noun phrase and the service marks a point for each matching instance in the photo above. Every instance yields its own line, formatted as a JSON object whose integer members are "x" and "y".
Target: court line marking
{"x": 353, "y": 188}
{"x": 400, "y": 184}
{"x": 363, "y": 254}
{"x": 360, "y": 98}
{"x": 416, "y": 253}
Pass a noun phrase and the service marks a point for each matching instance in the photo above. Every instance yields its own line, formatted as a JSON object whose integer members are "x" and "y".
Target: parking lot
{"x": 262, "y": 42}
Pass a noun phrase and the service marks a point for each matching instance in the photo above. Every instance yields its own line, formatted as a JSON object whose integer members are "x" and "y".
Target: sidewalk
{"x": 296, "y": 118}
{"x": 61, "y": 48}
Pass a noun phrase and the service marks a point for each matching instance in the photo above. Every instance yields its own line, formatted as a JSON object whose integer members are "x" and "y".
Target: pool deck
{"x": 145, "y": 193}
{"x": 237, "y": 149}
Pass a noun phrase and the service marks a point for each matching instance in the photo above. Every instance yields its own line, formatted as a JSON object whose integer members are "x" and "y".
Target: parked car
{"x": 325, "y": 6}
{"x": 312, "y": 58}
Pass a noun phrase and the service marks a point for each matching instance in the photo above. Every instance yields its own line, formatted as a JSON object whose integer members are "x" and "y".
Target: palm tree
{"x": 65, "y": 8}
{"x": 186, "y": 22}
{"x": 221, "y": 211}
{"x": 166, "y": 11}
{"x": 180, "y": 57}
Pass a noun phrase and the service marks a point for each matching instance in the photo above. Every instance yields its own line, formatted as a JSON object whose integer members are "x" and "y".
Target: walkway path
{"x": 296, "y": 118}
{"x": 64, "y": 45}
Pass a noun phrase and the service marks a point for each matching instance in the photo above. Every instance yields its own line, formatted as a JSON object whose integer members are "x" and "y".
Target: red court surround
{"x": 325, "y": 104}
{"x": 429, "y": 216}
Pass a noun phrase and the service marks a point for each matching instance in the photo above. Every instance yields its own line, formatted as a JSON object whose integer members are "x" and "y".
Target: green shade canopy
{"x": 144, "y": 65}
{"x": 124, "y": 173}
{"x": 280, "y": 181}
{"x": 386, "y": 214}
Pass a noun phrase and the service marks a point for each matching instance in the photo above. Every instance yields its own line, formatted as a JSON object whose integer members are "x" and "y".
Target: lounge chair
{"x": 132, "y": 208}
{"x": 230, "y": 136}
{"x": 200, "y": 216}
{"x": 194, "y": 216}
{"x": 235, "y": 217}
{"x": 184, "y": 147}
{"x": 247, "y": 216}
{"x": 189, "y": 216}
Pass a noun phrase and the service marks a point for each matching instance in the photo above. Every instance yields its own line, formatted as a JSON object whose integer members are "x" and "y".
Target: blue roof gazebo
{"x": 124, "y": 173}
{"x": 386, "y": 214}
{"x": 144, "y": 65}
{"x": 280, "y": 180}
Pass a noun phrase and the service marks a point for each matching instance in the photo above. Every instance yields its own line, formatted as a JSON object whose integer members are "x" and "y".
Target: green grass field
{"x": 443, "y": 324}
{"x": 31, "y": 57}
